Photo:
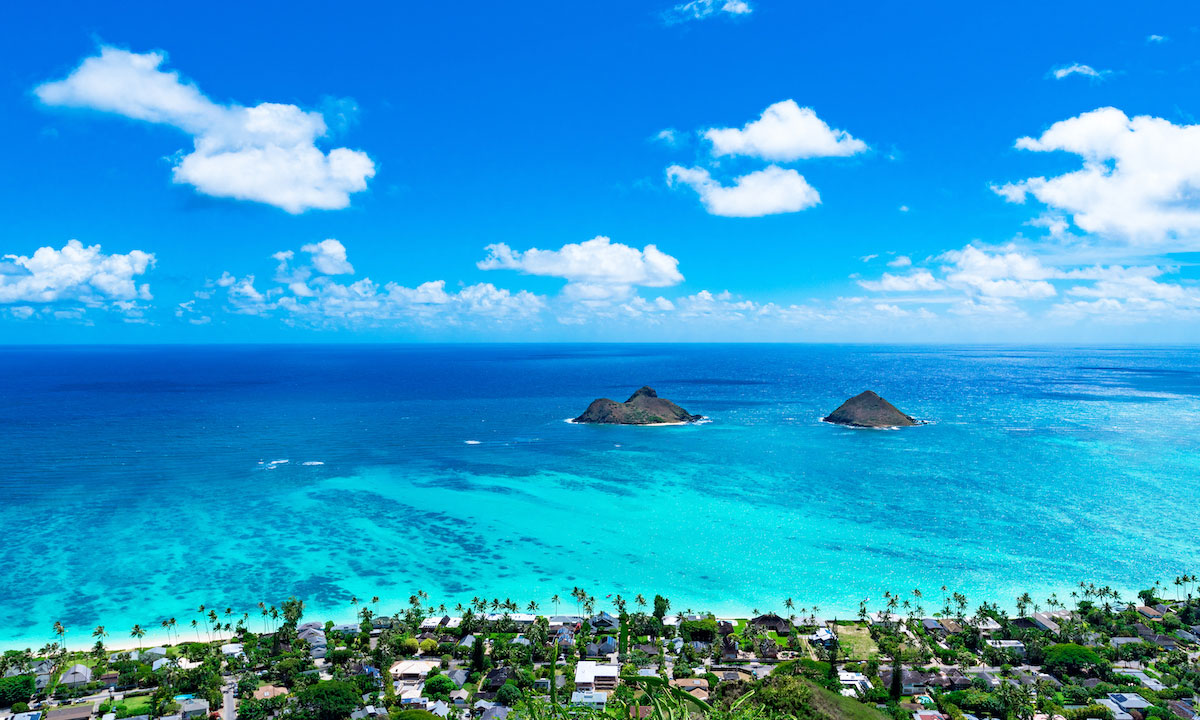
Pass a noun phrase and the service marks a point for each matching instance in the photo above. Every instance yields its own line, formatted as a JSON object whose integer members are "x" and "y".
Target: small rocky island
{"x": 868, "y": 410}
{"x": 644, "y": 407}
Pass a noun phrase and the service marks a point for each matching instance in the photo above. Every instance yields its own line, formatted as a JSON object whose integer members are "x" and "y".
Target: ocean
{"x": 141, "y": 482}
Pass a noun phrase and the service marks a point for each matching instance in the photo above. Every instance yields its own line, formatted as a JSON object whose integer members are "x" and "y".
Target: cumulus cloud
{"x": 76, "y": 273}
{"x": 266, "y": 153}
{"x": 598, "y": 260}
{"x": 999, "y": 275}
{"x": 702, "y": 9}
{"x": 770, "y": 191}
{"x": 1138, "y": 184}
{"x": 784, "y": 132}
{"x": 1067, "y": 71}
{"x": 1156, "y": 38}
{"x": 900, "y": 261}
{"x": 329, "y": 257}
{"x": 916, "y": 280}
{"x": 599, "y": 272}
{"x": 311, "y": 294}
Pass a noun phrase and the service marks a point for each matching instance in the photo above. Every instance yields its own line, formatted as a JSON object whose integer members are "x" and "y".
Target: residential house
{"x": 232, "y": 650}
{"x": 1129, "y": 701}
{"x": 594, "y": 699}
{"x": 495, "y": 712}
{"x": 72, "y": 712}
{"x": 1149, "y": 613}
{"x": 496, "y": 678}
{"x": 269, "y": 691}
{"x": 1182, "y": 708}
{"x": 76, "y": 676}
{"x": 696, "y": 687}
{"x": 729, "y": 647}
{"x": 433, "y": 623}
{"x": 459, "y": 697}
{"x": 724, "y": 627}
{"x": 933, "y": 627}
{"x": 590, "y": 675}
{"x": 823, "y": 636}
{"x": 412, "y": 671}
{"x": 912, "y": 682}
{"x": 853, "y": 683}
{"x": 606, "y": 646}
{"x": 1144, "y": 679}
{"x": 952, "y": 626}
{"x": 771, "y": 622}
{"x": 193, "y": 708}
{"x": 459, "y": 676}
{"x": 347, "y": 629}
{"x": 604, "y": 621}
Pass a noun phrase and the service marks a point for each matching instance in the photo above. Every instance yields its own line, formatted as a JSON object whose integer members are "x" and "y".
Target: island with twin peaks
{"x": 644, "y": 407}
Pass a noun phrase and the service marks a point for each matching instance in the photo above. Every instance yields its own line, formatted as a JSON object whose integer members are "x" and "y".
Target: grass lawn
{"x": 136, "y": 704}
{"x": 856, "y": 642}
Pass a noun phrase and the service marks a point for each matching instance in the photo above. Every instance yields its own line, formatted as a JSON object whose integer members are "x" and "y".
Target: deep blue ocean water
{"x": 139, "y": 482}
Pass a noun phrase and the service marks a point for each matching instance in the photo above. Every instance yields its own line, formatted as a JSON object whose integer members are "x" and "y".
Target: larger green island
{"x": 1093, "y": 655}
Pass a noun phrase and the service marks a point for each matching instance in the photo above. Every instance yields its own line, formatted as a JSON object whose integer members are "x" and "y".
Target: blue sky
{"x": 556, "y": 171}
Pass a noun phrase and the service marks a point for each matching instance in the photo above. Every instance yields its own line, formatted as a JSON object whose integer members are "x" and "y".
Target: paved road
{"x": 229, "y": 703}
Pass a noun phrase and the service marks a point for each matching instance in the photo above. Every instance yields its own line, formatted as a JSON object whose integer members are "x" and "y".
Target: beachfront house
{"x": 430, "y": 624}
{"x": 604, "y": 621}
{"x": 771, "y": 622}
{"x": 76, "y": 676}
{"x": 590, "y": 675}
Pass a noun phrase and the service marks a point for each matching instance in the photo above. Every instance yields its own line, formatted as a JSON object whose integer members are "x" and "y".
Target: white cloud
{"x": 1140, "y": 180}
{"x": 770, "y": 191}
{"x": 669, "y": 137}
{"x": 999, "y": 275}
{"x": 76, "y": 273}
{"x": 312, "y": 295}
{"x": 784, "y": 132}
{"x": 1156, "y": 38}
{"x": 595, "y": 261}
{"x": 266, "y": 153}
{"x": 328, "y": 257}
{"x": 869, "y": 258}
{"x": 701, "y": 9}
{"x": 916, "y": 280}
{"x": 904, "y": 208}
{"x": 900, "y": 261}
{"x": 1078, "y": 69}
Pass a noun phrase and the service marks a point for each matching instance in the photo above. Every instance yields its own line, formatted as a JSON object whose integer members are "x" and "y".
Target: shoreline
{"x": 185, "y": 634}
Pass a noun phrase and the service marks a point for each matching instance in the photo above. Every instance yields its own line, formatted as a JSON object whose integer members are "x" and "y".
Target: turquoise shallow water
{"x": 138, "y": 482}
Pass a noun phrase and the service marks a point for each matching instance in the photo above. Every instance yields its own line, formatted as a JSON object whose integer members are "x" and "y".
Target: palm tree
{"x": 533, "y": 606}
{"x": 139, "y": 633}
{"x": 640, "y": 599}
{"x": 196, "y": 627}
{"x": 166, "y": 625}
{"x": 556, "y": 600}
{"x": 61, "y": 632}
{"x": 100, "y": 633}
